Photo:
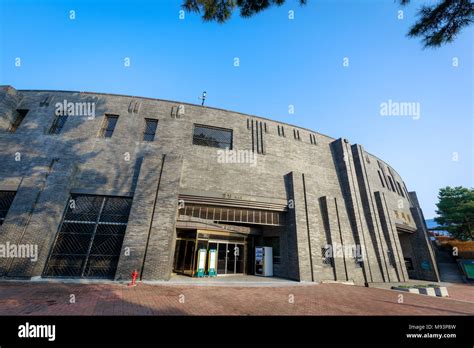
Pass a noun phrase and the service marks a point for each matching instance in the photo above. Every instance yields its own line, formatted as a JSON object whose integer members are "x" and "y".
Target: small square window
{"x": 19, "y": 116}
{"x": 58, "y": 124}
{"x": 108, "y": 126}
{"x": 150, "y": 129}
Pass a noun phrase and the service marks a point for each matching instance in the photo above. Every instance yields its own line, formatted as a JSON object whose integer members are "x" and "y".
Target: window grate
{"x": 6, "y": 199}
{"x": 150, "y": 129}
{"x": 89, "y": 242}
{"x": 108, "y": 126}
{"x": 58, "y": 124}
{"x": 228, "y": 214}
{"x": 212, "y": 136}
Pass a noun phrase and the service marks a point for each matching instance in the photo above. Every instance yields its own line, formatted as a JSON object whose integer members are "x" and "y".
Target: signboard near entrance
{"x": 201, "y": 264}
{"x": 212, "y": 265}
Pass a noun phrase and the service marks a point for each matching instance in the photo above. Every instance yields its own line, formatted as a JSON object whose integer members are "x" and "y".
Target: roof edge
{"x": 172, "y": 101}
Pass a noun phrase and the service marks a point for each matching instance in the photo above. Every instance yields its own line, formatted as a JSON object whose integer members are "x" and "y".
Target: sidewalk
{"x": 59, "y": 298}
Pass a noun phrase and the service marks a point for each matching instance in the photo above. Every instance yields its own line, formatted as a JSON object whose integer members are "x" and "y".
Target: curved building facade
{"x": 102, "y": 185}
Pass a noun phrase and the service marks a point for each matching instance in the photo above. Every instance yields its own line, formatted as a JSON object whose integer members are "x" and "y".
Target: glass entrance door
{"x": 221, "y": 258}
{"x": 230, "y": 258}
{"x": 184, "y": 256}
{"x": 239, "y": 258}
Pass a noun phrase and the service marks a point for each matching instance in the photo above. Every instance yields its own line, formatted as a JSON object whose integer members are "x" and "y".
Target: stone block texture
{"x": 336, "y": 194}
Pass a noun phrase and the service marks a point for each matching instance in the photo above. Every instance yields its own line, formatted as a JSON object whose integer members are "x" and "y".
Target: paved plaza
{"x": 211, "y": 298}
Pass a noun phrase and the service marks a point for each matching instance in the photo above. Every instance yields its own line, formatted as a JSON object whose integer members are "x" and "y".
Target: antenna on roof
{"x": 203, "y": 97}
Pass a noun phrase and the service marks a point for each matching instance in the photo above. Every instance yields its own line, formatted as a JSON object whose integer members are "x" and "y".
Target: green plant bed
{"x": 417, "y": 286}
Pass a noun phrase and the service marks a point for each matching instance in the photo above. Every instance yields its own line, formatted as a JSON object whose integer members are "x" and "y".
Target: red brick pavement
{"x": 462, "y": 292}
{"x": 20, "y": 298}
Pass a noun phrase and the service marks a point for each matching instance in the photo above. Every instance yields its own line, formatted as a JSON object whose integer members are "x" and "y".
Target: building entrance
{"x": 230, "y": 257}
{"x": 230, "y": 250}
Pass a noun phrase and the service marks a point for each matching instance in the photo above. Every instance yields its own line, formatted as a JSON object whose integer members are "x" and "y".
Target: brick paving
{"x": 21, "y": 298}
{"x": 462, "y": 292}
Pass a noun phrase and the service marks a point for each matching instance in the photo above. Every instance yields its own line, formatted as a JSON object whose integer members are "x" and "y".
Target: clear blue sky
{"x": 282, "y": 62}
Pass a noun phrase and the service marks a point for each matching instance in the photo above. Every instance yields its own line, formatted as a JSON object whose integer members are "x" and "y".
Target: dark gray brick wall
{"x": 332, "y": 183}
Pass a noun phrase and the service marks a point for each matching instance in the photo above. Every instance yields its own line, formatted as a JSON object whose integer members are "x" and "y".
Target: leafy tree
{"x": 221, "y": 10}
{"x": 456, "y": 212}
{"x": 438, "y": 23}
{"x": 442, "y": 22}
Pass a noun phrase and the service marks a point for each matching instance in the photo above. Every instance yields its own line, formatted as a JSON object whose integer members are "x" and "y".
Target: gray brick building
{"x": 142, "y": 184}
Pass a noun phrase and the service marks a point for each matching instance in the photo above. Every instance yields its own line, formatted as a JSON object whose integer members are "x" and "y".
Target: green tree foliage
{"x": 456, "y": 212}
{"x": 221, "y": 10}
{"x": 438, "y": 22}
{"x": 441, "y": 22}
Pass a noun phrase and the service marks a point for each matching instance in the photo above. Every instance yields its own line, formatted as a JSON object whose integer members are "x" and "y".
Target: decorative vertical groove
{"x": 307, "y": 228}
{"x": 340, "y": 236}
{"x": 253, "y": 141}
{"x": 352, "y": 177}
{"x": 393, "y": 235}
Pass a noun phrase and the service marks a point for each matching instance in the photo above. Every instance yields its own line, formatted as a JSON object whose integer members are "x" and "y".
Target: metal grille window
{"x": 250, "y": 216}
{"x": 20, "y": 115}
{"x": 90, "y": 239}
{"x": 6, "y": 199}
{"x": 212, "y": 136}
{"x": 108, "y": 126}
{"x": 150, "y": 129}
{"x": 58, "y": 124}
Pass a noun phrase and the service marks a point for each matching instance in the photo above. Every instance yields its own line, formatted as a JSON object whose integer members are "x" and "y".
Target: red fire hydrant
{"x": 134, "y": 278}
